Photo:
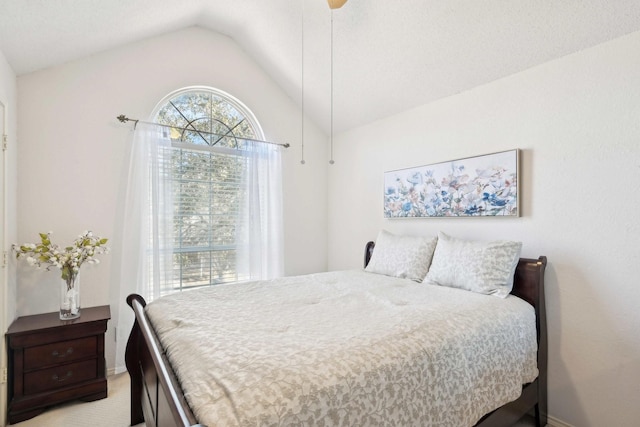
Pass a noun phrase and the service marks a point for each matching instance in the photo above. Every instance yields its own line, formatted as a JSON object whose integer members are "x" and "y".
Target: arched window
{"x": 210, "y": 168}
{"x": 207, "y": 116}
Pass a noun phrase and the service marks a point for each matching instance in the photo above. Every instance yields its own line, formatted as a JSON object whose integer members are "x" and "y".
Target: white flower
{"x": 67, "y": 259}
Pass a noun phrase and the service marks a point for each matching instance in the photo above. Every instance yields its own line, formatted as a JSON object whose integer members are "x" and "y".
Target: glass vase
{"x": 70, "y": 297}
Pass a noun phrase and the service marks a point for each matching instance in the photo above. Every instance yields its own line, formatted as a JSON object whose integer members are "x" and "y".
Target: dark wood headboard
{"x": 528, "y": 282}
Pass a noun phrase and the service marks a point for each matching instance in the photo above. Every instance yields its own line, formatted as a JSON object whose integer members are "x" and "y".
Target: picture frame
{"x": 479, "y": 186}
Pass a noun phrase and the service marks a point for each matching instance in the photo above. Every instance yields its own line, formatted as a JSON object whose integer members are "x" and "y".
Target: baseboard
{"x": 554, "y": 422}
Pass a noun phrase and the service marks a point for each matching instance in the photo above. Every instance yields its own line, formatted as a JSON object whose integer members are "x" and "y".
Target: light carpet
{"x": 110, "y": 412}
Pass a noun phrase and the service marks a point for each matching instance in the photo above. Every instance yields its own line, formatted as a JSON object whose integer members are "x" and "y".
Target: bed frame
{"x": 158, "y": 400}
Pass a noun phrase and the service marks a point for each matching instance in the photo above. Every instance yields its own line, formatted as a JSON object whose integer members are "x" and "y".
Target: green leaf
{"x": 66, "y": 273}
{"x": 45, "y": 239}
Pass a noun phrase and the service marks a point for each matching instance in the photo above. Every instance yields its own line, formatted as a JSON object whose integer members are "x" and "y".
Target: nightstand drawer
{"x": 60, "y": 352}
{"x": 60, "y": 376}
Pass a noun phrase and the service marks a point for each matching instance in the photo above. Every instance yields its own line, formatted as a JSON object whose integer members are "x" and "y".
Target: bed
{"x": 158, "y": 399}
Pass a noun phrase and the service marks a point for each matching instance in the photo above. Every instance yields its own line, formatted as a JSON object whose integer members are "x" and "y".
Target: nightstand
{"x": 53, "y": 361}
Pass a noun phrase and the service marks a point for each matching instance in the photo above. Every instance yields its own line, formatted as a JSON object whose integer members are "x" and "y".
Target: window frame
{"x": 177, "y": 282}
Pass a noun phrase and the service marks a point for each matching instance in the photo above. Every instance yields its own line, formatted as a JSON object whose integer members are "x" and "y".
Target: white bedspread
{"x": 345, "y": 349}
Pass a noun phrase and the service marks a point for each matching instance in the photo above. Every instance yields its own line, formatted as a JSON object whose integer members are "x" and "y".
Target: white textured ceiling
{"x": 388, "y": 55}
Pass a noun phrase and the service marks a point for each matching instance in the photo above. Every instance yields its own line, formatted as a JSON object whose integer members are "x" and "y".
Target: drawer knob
{"x": 64, "y": 354}
{"x": 55, "y": 377}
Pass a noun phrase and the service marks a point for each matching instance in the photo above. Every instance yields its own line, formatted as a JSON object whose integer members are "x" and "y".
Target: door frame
{"x": 4, "y": 267}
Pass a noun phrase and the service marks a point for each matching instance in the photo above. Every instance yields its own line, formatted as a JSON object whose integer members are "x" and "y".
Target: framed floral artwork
{"x": 484, "y": 185}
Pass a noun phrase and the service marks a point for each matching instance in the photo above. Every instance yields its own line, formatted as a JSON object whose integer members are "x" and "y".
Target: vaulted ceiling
{"x": 388, "y": 56}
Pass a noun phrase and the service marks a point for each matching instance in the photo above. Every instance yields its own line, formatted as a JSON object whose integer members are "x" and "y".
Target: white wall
{"x": 8, "y": 98}
{"x": 72, "y": 151}
{"x": 577, "y": 122}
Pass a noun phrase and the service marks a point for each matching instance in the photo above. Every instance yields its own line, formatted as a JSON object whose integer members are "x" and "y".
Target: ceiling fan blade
{"x": 336, "y": 4}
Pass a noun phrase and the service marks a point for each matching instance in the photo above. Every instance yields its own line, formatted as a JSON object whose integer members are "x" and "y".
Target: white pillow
{"x": 483, "y": 267}
{"x": 407, "y": 257}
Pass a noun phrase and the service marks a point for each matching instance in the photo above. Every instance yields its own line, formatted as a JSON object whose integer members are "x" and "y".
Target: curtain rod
{"x": 122, "y": 118}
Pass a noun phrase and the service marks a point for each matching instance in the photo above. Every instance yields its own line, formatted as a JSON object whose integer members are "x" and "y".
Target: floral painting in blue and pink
{"x": 476, "y": 186}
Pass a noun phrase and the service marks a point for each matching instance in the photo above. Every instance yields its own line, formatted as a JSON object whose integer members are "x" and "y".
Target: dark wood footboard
{"x": 156, "y": 397}
{"x": 158, "y": 400}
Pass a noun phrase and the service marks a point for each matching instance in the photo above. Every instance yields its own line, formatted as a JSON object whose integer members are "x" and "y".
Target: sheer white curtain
{"x": 147, "y": 237}
{"x": 259, "y": 249}
{"x": 146, "y": 254}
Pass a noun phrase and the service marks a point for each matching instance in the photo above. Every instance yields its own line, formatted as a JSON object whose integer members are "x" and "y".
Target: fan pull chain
{"x": 331, "y": 161}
